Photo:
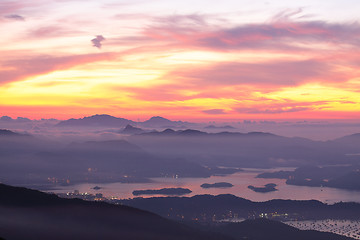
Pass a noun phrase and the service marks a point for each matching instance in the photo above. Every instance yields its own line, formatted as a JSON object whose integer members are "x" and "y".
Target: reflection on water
{"x": 240, "y": 180}
{"x": 342, "y": 227}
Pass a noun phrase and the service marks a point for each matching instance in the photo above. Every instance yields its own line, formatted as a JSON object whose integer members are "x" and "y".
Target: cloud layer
{"x": 202, "y": 64}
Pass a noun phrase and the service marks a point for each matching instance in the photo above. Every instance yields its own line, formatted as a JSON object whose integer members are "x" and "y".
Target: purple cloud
{"x": 214, "y": 111}
{"x": 97, "y": 41}
{"x": 15, "y": 17}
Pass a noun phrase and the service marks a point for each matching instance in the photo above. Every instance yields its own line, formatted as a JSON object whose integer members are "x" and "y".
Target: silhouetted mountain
{"x": 131, "y": 130}
{"x": 96, "y": 121}
{"x": 17, "y": 120}
{"x": 350, "y": 143}
{"x": 29, "y": 214}
{"x": 352, "y": 137}
{"x": 264, "y": 229}
{"x": 158, "y": 121}
{"x": 207, "y": 208}
{"x": 5, "y": 132}
{"x": 8, "y": 133}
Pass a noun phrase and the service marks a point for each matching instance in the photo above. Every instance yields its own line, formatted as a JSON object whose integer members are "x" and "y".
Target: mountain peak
{"x": 129, "y": 129}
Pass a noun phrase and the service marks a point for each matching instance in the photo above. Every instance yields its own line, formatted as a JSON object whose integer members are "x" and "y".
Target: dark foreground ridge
{"x": 30, "y": 214}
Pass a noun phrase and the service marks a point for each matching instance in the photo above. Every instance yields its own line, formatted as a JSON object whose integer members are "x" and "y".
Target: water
{"x": 240, "y": 180}
{"x": 349, "y": 228}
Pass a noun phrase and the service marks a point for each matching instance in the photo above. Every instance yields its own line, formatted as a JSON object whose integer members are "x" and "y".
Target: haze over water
{"x": 240, "y": 180}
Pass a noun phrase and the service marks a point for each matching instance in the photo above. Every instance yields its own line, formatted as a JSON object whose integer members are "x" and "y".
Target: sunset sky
{"x": 184, "y": 60}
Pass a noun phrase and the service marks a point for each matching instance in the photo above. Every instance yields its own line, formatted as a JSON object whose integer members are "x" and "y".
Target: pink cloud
{"x": 272, "y": 73}
{"x": 20, "y": 69}
{"x": 51, "y": 31}
{"x": 279, "y": 34}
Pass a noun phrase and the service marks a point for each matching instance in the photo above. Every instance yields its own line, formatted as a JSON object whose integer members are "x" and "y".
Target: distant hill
{"x": 352, "y": 137}
{"x": 8, "y": 133}
{"x": 264, "y": 229}
{"x": 29, "y": 214}
{"x": 253, "y": 149}
{"x": 219, "y": 127}
{"x": 96, "y": 121}
{"x": 158, "y": 121}
{"x": 350, "y": 143}
{"x": 129, "y": 129}
{"x": 5, "y": 132}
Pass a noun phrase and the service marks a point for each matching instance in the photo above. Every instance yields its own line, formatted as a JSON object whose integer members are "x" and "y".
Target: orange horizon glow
{"x": 57, "y": 63}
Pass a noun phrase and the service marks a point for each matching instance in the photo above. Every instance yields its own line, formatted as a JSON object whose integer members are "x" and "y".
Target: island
{"x": 163, "y": 191}
{"x": 270, "y": 187}
{"x": 217, "y": 185}
{"x": 342, "y": 177}
{"x": 96, "y": 188}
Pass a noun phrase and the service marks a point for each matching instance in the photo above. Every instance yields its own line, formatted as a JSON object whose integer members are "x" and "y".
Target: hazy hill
{"x": 96, "y": 121}
{"x": 8, "y": 133}
{"x": 32, "y": 161}
{"x": 29, "y": 214}
{"x": 254, "y": 149}
{"x": 157, "y": 120}
{"x": 129, "y": 129}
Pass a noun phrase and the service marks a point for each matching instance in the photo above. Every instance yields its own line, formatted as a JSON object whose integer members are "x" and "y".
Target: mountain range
{"x": 104, "y": 120}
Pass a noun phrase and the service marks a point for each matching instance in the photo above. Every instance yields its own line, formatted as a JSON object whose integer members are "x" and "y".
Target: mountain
{"x": 96, "y": 121}
{"x": 129, "y": 129}
{"x": 161, "y": 122}
{"x": 29, "y": 161}
{"x": 8, "y": 133}
{"x": 235, "y": 149}
{"x": 29, "y": 214}
{"x": 5, "y": 132}
{"x": 264, "y": 229}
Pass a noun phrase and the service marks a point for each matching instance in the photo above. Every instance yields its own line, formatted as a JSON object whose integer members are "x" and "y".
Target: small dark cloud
{"x": 214, "y": 111}
{"x": 97, "y": 41}
{"x": 15, "y": 17}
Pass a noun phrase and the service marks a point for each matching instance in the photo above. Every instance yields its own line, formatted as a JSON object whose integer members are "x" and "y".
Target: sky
{"x": 184, "y": 60}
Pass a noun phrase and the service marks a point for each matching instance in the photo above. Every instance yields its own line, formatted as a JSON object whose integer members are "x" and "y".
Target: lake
{"x": 240, "y": 180}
